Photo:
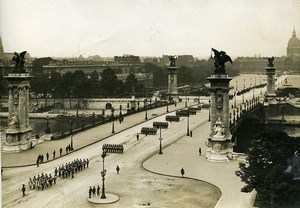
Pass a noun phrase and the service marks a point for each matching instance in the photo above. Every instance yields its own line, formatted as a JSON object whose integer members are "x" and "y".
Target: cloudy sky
{"x": 148, "y": 27}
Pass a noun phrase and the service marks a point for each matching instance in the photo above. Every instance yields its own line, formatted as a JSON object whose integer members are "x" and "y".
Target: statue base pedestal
{"x": 214, "y": 156}
{"x": 271, "y": 98}
{"x": 17, "y": 140}
{"x": 219, "y": 150}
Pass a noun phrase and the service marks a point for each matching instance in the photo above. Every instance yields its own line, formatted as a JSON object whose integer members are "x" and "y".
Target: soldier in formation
{"x": 41, "y": 181}
{"x": 113, "y": 148}
{"x": 69, "y": 169}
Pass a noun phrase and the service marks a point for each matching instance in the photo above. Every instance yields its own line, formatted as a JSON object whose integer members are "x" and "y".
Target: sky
{"x": 66, "y": 28}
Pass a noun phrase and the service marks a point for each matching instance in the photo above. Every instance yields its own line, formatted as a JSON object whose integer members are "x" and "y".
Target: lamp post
{"x": 209, "y": 110}
{"x": 113, "y": 120}
{"x": 244, "y": 92}
{"x": 254, "y": 87}
{"x": 145, "y": 106}
{"x": 188, "y": 124}
{"x": 71, "y": 131}
{"x": 103, "y": 173}
{"x": 160, "y": 148}
{"x": 186, "y": 99}
{"x": 53, "y": 100}
{"x": 236, "y": 90}
{"x": 47, "y": 130}
{"x": 260, "y": 87}
{"x": 167, "y": 104}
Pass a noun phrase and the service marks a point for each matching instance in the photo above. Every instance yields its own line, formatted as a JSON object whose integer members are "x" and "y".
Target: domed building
{"x": 293, "y": 48}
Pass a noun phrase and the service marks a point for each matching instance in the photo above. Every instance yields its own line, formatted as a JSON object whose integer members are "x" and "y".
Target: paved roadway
{"x": 134, "y": 185}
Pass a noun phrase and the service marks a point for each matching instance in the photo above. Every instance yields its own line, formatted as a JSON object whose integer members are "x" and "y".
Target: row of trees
{"x": 77, "y": 84}
{"x": 267, "y": 170}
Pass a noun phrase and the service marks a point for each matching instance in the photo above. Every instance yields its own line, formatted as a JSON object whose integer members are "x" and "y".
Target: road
{"x": 134, "y": 185}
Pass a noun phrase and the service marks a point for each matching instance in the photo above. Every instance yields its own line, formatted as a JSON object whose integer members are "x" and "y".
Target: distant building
{"x": 293, "y": 47}
{"x": 88, "y": 66}
{"x": 127, "y": 59}
{"x": 164, "y": 61}
{"x": 185, "y": 60}
{"x": 152, "y": 60}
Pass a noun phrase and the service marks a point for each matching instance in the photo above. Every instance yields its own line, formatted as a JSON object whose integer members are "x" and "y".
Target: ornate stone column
{"x": 172, "y": 78}
{"x": 270, "y": 72}
{"x": 219, "y": 144}
{"x": 18, "y": 135}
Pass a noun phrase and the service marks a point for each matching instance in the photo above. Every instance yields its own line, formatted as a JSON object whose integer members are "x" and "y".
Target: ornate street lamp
{"x": 244, "y": 92}
{"x": 145, "y": 106}
{"x": 71, "y": 132}
{"x": 113, "y": 120}
{"x": 209, "y": 110}
{"x": 236, "y": 90}
{"x": 260, "y": 87}
{"x": 53, "y": 100}
{"x": 103, "y": 173}
{"x": 47, "y": 130}
{"x": 188, "y": 123}
{"x": 167, "y": 101}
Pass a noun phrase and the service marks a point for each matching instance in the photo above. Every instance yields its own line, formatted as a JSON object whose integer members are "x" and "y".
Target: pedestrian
{"x": 47, "y": 156}
{"x": 53, "y": 154}
{"x": 98, "y": 191}
{"x": 37, "y": 163}
{"x": 118, "y": 169}
{"x": 42, "y": 158}
{"x": 87, "y": 163}
{"x": 60, "y": 151}
{"x": 90, "y": 192}
{"x": 67, "y": 149}
{"x": 191, "y": 134}
{"x": 199, "y": 150}
{"x": 94, "y": 191}
{"x": 137, "y": 136}
{"x": 182, "y": 172}
{"x": 23, "y": 189}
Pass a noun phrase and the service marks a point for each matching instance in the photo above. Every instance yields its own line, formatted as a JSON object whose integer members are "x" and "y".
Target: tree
{"x": 37, "y": 64}
{"x": 95, "y": 84}
{"x": 265, "y": 168}
{"x": 109, "y": 82}
{"x": 131, "y": 84}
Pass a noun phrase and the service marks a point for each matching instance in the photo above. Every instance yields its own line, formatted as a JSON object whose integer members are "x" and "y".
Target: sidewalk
{"x": 185, "y": 154}
{"x": 82, "y": 139}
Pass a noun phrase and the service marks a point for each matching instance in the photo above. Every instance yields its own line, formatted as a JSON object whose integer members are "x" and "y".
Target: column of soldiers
{"x": 41, "y": 181}
{"x": 148, "y": 130}
{"x": 69, "y": 169}
{"x": 113, "y": 148}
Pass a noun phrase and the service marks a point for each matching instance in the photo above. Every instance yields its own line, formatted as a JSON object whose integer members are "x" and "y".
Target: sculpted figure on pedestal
{"x": 220, "y": 59}
{"x": 218, "y": 130}
{"x": 13, "y": 122}
{"x": 19, "y": 60}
